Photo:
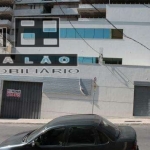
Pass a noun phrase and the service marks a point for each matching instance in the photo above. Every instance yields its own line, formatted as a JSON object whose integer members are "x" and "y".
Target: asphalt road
{"x": 7, "y": 130}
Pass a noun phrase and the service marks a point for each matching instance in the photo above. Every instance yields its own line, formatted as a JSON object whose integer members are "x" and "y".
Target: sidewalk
{"x": 120, "y": 121}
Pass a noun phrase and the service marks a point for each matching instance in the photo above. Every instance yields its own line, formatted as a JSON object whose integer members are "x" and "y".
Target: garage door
{"x": 21, "y": 100}
{"x": 141, "y": 101}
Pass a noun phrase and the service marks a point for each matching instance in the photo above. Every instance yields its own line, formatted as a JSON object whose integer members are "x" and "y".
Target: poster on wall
{"x": 13, "y": 93}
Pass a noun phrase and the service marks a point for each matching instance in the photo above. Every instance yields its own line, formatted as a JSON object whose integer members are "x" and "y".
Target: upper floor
{"x": 84, "y": 1}
{"x": 76, "y": 11}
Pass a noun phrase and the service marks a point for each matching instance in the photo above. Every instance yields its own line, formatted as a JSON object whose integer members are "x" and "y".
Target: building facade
{"x": 112, "y": 78}
{"x": 6, "y": 16}
{"x": 107, "y": 90}
{"x": 89, "y": 22}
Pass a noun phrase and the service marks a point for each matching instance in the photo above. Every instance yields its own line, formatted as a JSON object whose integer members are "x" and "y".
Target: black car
{"x": 75, "y": 132}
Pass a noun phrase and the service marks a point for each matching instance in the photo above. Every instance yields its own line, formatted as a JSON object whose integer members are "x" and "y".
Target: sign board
{"x": 38, "y": 59}
{"x": 13, "y": 93}
{"x": 36, "y": 32}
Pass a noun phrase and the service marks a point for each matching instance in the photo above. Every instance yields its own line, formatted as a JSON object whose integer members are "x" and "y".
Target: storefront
{"x": 107, "y": 90}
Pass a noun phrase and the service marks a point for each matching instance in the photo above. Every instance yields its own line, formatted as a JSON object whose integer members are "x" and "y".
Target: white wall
{"x": 114, "y": 94}
{"x": 128, "y": 12}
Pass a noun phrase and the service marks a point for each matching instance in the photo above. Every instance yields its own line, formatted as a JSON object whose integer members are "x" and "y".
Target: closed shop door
{"x": 141, "y": 101}
{"x": 21, "y": 100}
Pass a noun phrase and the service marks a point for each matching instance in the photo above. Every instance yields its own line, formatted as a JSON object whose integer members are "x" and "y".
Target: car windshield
{"x": 110, "y": 128}
{"x": 37, "y": 132}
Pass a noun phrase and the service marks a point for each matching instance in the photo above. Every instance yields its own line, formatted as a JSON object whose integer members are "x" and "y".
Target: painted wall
{"x": 131, "y": 52}
{"x": 128, "y": 12}
{"x": 114, "y": 96}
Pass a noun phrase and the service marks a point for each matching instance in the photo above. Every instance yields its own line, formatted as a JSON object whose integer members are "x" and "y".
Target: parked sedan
{"x": 75, "y": 132}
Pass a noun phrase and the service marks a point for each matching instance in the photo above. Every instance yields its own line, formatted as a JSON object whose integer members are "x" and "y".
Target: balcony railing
{"x": 5, "y": 23}
{"x": 64, "y": 11}
{"x": 6, "y": 11}
{"x": 27, "y": 12}
{"x": 88, "y": 11}
{"x": 46, "y": 1}
{"x": 6, "y": 2}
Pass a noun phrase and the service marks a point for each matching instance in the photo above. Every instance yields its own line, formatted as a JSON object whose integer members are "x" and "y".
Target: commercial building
{"x": 112, "y": 78}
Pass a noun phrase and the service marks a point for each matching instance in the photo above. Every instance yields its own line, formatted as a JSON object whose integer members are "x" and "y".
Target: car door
{"x": 52, "y": 139}
{"x": 103, "y": 142}
{"x": 82, "y": 138}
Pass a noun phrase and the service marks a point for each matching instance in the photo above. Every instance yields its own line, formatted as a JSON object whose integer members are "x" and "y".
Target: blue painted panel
{"x": 80, "y": 33}
{"x": 80, "y": 60}
{"x": 86, "y": 60}
{"x": 107, "y": 33}
{"x": 63, "y": 33}
{"x": 71, "y": 33}
{"x": 28, "y": 35}
{"x": 89, "y": 33}
{"x": 49, "y": 30}
{"x": 99, "y": 34}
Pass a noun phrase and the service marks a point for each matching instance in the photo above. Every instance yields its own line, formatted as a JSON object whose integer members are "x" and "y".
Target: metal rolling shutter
{"x": 28, "y": 105}
{"x": 142, "y": 101}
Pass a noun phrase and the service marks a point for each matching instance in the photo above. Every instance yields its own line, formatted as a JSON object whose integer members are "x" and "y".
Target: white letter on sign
{"x": 64, "y": 60}
{"x": 46, "y": 60}
{"x": 27, "y": 61}
{"x": 8, "y": 60}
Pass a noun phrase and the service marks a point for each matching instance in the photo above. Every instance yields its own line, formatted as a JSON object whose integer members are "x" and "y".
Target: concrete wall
{"x": 114, "y": 96}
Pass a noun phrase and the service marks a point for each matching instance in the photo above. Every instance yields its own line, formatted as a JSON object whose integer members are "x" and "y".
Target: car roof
{"x": 88, "y": 119}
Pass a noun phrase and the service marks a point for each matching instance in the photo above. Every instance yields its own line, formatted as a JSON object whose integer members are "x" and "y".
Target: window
{"x": 102, "y": 139}
{"x": 110, "y": 129}
{"x": 89, "y": 33}
{"x": 32, "y": 6}
{"x": 99, "y": 34}
{"x": 112, "y": 60}
{"x": 49, "y": 30}
{"x": 63, "y": 33}
{"x": 87, "y": 60}
{"x": 52, "y": 137}
{"x": 117, "y": 33}
{"x": 81, "y": 136}
{"x": 107, "y": 34}
{"x": 71, "y": 33}
{"x": 79, "y": 33}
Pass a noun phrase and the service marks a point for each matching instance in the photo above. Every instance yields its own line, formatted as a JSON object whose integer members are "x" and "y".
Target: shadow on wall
{"x": 121, "y": 77}
{"x": 71, "y": 103}
{"x": 68, "y": 89}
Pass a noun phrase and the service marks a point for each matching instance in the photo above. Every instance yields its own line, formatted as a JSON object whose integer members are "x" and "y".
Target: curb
{"x": 44, "y": 121}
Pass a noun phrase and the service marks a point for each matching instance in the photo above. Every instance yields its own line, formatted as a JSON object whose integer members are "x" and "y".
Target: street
{"x": 7, "y": 130}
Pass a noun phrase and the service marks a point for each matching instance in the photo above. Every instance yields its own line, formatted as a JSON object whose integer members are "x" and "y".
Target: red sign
{"x": 13, "y": 93}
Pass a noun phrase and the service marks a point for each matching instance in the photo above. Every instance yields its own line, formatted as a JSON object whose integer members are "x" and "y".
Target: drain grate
{"x": 132, "y": 121}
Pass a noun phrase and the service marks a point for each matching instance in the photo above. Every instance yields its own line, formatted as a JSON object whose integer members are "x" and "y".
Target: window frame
{"x": 110, "y": 61}
{"x": 44, "y": 146}
{"x": 117, "y": 34}
{"x": 81, "y": 145}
